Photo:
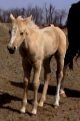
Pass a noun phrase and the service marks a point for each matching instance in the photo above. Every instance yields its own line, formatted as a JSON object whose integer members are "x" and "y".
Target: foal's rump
{"x": 54, "y": 40}
{"x": 62, "y": 40}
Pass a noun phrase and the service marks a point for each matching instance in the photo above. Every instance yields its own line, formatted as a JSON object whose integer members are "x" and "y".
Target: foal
{"x": 37, "y": 46}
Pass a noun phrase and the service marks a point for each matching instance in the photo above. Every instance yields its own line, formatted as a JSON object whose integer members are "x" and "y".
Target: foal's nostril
{"x": 7, "y": 47}
{"x": 11, "y": 49}
{"x": 14, "y": 48}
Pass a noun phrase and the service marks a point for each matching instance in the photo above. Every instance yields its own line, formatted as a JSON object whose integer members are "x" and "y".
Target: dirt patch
{"x": 11, "y": 90}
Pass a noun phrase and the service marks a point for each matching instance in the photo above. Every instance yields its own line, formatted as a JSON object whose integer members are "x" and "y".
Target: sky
{"x": 59, "y": 4}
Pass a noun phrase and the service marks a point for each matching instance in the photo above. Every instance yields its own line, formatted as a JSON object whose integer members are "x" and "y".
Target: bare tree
{"x": 46, "y": 15}
{"x": 49, "y": 14}
{"x": 62, "y": 15}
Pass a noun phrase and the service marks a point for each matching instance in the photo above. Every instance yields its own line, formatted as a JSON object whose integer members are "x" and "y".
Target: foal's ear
{"x": 29, "y": 18}
{"x": 20, "y": 18}
{"x": 12, "y": 17}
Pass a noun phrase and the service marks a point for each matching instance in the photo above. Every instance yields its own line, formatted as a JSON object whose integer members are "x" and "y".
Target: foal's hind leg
{"x": 59, "y": 76}
{"x": 62, "y": 92}
{"x": 27, "y": 69}
{"x": 47, "y": 78}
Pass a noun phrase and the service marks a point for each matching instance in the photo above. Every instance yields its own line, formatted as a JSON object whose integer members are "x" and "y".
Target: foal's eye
{"x": 10, "y": 32}
{"x": 21, "y": 33}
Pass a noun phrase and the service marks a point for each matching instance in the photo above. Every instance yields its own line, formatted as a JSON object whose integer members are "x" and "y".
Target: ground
{"x": 11, "y": 89}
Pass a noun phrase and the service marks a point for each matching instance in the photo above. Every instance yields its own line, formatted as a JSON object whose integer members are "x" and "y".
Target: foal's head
{"x": 18, "y": 32}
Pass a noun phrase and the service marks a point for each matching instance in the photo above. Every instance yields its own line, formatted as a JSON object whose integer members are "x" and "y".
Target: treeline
{"x": 42, "y": 16}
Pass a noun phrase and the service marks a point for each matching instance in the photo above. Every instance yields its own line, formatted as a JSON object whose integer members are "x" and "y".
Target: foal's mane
{"x": 33, "y": 25}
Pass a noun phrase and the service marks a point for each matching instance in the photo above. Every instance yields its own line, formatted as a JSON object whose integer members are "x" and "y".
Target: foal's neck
{"x": 32, "y": 29}
{"x": 33, "y": 25}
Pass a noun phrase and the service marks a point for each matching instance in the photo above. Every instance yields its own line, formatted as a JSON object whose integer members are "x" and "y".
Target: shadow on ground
{"x": 51, "y": 89}
{"x": 6, "y": 98}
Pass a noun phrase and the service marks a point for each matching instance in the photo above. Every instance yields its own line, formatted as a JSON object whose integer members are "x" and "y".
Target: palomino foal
{"x": 37, "y": 46}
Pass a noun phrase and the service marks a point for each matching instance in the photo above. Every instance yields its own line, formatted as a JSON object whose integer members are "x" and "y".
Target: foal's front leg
{"x": 27, "y": 69}
{"x": 47, "y": 74}
{"x": 36, "y": 82}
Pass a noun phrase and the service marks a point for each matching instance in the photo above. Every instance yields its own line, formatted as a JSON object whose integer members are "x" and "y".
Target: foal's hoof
{"x": 34, "y": 112}
{"x": 23, "y": 110}
{"x": 40, "y": 104}
{"x": 56, "y": 105}
{"x": 62, "y": 93}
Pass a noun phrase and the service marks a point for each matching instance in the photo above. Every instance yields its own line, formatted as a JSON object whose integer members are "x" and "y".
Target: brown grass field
{"x": 11, "y": 89}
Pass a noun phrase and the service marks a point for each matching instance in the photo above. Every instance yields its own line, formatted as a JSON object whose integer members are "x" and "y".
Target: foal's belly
{"x": 50, "y": 50}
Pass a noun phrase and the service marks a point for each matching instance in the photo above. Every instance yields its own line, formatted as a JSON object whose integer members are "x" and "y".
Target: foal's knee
{"x": 25, "y": 82}
{"x": 59, "y": 75}
{"x": 36, "y": 84}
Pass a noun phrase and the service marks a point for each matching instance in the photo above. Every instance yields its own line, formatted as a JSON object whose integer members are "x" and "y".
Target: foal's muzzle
{"x": 11, "y": 49}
